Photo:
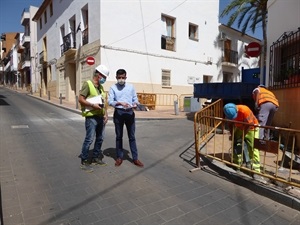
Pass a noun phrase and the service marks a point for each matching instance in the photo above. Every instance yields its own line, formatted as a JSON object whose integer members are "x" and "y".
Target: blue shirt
{"x": 122, "y": 93}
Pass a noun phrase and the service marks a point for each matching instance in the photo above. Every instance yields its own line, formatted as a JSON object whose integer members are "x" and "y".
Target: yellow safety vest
{"x": 94, "y": 93}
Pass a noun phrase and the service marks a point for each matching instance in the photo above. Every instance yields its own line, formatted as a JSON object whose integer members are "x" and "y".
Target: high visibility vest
{"x": 94, "y": 93}
{"x": 244, "y": 114}
{"x": 265, "y": 95}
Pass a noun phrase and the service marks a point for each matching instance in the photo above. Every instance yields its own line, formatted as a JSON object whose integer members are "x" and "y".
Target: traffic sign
{"x": 90, "y": 60}
{"x": 253, "y": 49}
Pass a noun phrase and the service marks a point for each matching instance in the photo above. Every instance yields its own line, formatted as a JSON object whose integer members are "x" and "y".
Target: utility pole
{"x": 262, "y": 64}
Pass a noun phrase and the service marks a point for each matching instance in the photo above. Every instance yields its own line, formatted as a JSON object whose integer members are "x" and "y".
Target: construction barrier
{"x": 147, "y": 99}
{"x": 279, "y": 157}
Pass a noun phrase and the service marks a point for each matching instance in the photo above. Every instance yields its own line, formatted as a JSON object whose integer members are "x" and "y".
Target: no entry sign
{"x": 90, "y": 60}
{"x": 253, "y": 49}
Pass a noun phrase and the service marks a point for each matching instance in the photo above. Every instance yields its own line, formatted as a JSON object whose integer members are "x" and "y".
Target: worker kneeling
{"x": 250, "y": 156}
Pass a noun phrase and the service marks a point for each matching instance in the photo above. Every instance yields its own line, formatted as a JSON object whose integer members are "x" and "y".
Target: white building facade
{"x": 162, "y": 47}
{"x": 232, "y": 45}
{"x": 165, "y": 46}
{"x": 28, "y": 50}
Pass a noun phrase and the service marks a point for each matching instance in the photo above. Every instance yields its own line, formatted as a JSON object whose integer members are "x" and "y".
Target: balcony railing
{"x": 230, "y": 56}
{"x": 85, "y": 36}
{"x": 168, "y": 43}
{"x": 25, "y": 57}
{"x": 43, "y": 57}
{"x": 25, "y": 40}
{"x": 68, "y": 43}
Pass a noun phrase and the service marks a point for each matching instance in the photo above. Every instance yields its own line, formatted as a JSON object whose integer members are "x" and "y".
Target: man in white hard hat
{"x": 93, "y": 108}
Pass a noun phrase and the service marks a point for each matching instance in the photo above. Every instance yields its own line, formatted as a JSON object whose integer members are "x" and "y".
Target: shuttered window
{"x": 166, "y": 78}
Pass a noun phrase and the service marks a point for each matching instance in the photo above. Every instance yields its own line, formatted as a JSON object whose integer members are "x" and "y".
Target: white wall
{"x": 35, "y": 78}
{"x": 134, "y": 28}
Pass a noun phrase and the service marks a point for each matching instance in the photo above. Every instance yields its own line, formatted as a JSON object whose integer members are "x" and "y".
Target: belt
{"x": 125, "y": 110}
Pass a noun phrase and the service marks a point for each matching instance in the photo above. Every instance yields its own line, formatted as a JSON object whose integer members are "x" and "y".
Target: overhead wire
{"x": 143, "y": 28}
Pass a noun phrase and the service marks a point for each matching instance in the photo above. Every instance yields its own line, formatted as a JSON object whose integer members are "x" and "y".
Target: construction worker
{"x": 93, "y": 108}
{"x": 242, "y": 113}
{"x": 266, "y": 104}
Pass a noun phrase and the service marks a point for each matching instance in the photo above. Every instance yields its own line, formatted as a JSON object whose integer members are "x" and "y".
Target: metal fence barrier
{"x": 279, "y": 157}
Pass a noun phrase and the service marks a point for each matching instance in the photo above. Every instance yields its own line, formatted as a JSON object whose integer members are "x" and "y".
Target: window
{"x": 41, "y": 25}
{"x": 193, "y": 32}
{"x": 51, "y": 9}
{"x": 207, "y": 78}
{"x": 85, "y": 24}
{"x": 166, "y": 78}
{"x": 168, "y": 33}
{"x": 284, "y": 67}
{"x": 45, "y": 16}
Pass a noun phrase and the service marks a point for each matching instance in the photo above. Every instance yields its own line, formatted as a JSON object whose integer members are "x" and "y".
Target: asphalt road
{"x": 42, "y": 183}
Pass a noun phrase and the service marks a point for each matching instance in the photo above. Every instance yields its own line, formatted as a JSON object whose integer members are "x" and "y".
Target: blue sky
{"x": 11, "y": 12}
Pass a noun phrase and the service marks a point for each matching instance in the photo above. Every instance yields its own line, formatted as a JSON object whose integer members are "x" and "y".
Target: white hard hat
{"x": 103, "y": 70}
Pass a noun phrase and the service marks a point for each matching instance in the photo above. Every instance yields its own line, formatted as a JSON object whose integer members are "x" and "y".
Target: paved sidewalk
{"x": 289, "y": 196}
{"x": 161, "y": 113}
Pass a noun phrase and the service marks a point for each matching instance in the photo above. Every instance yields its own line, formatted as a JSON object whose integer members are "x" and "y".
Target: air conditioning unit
{"x": 222, "y": 36}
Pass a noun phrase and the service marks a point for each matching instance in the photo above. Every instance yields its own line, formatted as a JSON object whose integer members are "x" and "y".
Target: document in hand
{"x": 94, "y": 100}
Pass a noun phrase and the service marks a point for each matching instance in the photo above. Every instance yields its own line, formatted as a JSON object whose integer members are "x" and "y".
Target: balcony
{"x": 85, "y": 36}
{"x": 25, "y": 58}
{"x": 168, "y": 43}
{"x": 20, "y": 48}
{"x": 43, "y": 57}
{"x": 230, "y": 58}
{"x": 25, "y": 40}
{"x": 4, "y": 46}
{"x": 69, "y": 45}
{"x": 20, "y": 64}
{"x": 25, "y": 17}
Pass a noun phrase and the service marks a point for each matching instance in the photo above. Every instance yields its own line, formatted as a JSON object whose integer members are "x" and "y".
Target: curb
{"x": 109, "y": 117}
{"x": 259, "y": 188}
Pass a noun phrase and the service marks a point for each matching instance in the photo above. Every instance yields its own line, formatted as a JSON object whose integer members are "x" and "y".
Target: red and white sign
{"x": 253, "y": 49}
{"x": 90, "y": 60}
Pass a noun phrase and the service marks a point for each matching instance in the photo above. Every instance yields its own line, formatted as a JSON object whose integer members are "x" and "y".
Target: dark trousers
{"x": 122, "y": 117}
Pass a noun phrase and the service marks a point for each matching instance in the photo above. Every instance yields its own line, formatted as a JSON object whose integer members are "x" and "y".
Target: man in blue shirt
{"x": 123, "y": 97}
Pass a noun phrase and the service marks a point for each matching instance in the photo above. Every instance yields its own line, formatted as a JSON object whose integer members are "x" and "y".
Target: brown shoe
{"x": 138, "y": 163}
{"x": 118, "y": 162}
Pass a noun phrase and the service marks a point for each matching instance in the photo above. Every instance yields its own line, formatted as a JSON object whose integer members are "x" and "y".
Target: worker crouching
{"x": 242, "y": 113}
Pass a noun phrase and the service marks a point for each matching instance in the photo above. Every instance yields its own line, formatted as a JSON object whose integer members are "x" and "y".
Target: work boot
{"x": 98, "y": 161}
{"x": 86, "y": 166}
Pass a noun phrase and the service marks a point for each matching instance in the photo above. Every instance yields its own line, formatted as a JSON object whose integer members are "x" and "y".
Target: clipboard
{"x": 94, "y": 100}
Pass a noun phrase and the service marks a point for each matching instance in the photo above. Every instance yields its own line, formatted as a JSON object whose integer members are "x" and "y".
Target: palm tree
{"x": 249, "y": 14}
